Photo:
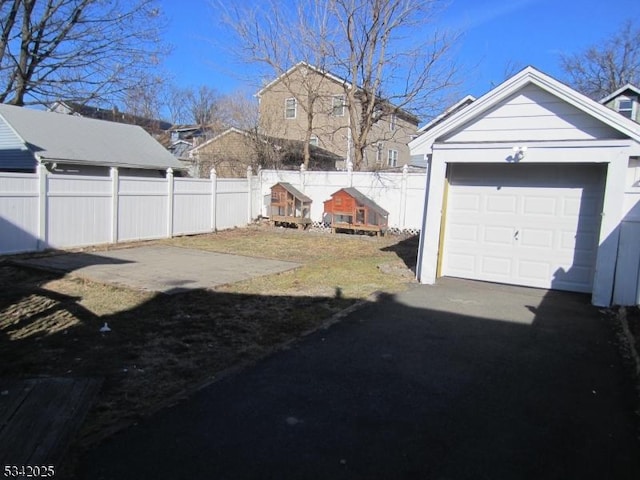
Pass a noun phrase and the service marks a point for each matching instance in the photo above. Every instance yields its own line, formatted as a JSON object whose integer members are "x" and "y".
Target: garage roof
{"x": 83, "y": 141}
{"x": 528, "y": 76}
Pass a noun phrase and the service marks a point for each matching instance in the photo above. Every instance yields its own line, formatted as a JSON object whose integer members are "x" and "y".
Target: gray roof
{"x": 364, "y": 200}
{"x": 294, "y": 191}
{"x": 84, "y": 141}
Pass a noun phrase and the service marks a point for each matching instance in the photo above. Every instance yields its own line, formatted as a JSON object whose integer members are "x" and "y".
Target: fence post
{"x": 258, "y": 197}
{"x": 170, "y": 189}
{"x": 350, "y": 173}
{"x": 249, "y": 209}
{"x": 213, "y": 176}
{"x": 403, "y": 196}
{"x": 42, "y": 206}
{"x": 115, "y": 203}
{"x": 303, "y": 176}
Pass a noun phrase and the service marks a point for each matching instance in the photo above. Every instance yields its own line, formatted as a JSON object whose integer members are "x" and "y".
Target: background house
{"x": 232, "y": 151}
{"x": 76, "y": 145}
{"x": 625, "y": 101}
{"x": 534, "y": 184}
{"x": 284, "y": 105}
{"x": 153, "y": 126}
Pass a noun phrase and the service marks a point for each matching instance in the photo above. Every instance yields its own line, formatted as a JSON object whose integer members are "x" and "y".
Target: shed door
{"x": 533, "y": 225}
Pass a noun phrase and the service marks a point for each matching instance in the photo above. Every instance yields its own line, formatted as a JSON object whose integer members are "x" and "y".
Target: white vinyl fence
{"x": 44, "y": 210}
{"x": 402, "y": 194}
{"x": 627, "y": 281}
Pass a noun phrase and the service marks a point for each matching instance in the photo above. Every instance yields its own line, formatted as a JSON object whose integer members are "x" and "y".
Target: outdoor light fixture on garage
{"x": 519, "y": 153}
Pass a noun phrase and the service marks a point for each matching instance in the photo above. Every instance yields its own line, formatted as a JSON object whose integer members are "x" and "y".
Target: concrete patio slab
{"x": 163, "y": 269}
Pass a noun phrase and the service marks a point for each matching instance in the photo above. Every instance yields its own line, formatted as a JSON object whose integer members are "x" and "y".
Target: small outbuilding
{"x": 289, "y": 206}
{"x": 533, "y": 184}
{"x": 349, "y": 209}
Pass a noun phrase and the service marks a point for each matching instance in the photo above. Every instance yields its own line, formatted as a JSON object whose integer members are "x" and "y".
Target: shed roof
{"x": 363, "y": 199}
{"x": 85, "y": 141}
{"x": 294, "y": 191}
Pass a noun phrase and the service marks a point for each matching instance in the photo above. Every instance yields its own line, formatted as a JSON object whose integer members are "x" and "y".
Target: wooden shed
{"x": 289, "y": 206}
{"x": 349, "y": 209}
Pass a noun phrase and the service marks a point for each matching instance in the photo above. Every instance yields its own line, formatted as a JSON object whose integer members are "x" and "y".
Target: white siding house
{"x": 77, "y": 145}
{"x": 533, "y": 184}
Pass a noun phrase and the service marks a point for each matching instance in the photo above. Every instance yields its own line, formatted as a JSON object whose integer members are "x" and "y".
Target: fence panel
{"x": 142, "y": 208}
{"x": 415, "y": 201}
{"x": 78, "y": 210}
{"x": 232, "y": 203}
{"x": 627, "y": 281}
{"x": 401, "y": 194}
{"x": 191, "y": 206}
{"x": 18, "y": 212}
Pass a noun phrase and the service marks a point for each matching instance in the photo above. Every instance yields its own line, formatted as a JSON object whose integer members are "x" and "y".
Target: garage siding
{"x": 529, "y": 115}
{"x": 533, "y": 225}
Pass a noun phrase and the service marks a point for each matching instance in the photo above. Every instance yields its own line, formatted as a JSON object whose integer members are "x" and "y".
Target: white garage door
{"x": 534, "y": 225}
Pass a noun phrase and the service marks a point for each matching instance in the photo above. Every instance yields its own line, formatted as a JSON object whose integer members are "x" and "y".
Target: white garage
{"x": 526, "y": 186}
{"x": 523, "y": 224}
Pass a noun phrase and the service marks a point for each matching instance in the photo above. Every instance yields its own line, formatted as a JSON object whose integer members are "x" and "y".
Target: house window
{"x": 393, "y": 158}
{"x": 290, "y": 106}
{"x": 313, "y": 141}
{"x": 392, "y": 122}
{"x": 627, "y": 107}
{"x": 337, "y": 106}
{"x": 379, "y": 147}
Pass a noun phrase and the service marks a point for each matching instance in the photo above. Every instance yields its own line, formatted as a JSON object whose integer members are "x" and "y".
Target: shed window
{"x": 290, "y": 107}
{"x": 313, "y": 140}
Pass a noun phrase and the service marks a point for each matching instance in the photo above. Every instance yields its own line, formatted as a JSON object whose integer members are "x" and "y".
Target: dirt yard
{"x": 163, "y": 347}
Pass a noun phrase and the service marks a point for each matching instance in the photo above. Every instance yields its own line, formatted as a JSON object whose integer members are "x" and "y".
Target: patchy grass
{"x": 162, "y": 346}
{"x": 353, "y": 265}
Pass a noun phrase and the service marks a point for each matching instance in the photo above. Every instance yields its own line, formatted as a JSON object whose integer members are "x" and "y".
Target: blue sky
{"x": 499, "y": 34}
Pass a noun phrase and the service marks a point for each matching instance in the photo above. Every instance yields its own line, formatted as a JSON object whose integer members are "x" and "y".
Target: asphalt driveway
{"x": 462, "y": 380}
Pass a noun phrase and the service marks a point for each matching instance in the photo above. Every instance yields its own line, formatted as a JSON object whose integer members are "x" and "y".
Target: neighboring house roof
{"x": 321, "y": 158}
{"x": 217, "y": 137}
{"x": 468, "y": 100}
{"x": 627, "y": 88}
{"x": 527, "y": 76}
{"x": 329, "y": 75}
{"x": 84, "y": 141}
{"x": 294, "y": 191}
{"x": 110, "y": 114}
{"x": 341, "y": 81}
{"x": 363, "y": 199}
{"x": 180, "y": 148}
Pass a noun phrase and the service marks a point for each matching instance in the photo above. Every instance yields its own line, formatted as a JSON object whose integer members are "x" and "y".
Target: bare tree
{"x": 388, "y": 53}
{"x": 278, "y": 36}
{"x": 203, "y": 104}
{"x": 193, "y": 106}
{"x": 145, "y": 99}
{"x": 394, "y": 58}
{"x": 240, "y": 110}
{"x": 175, "y": 100}
{"x": 78, "y": 50}
{"x": 602, "y": 69}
